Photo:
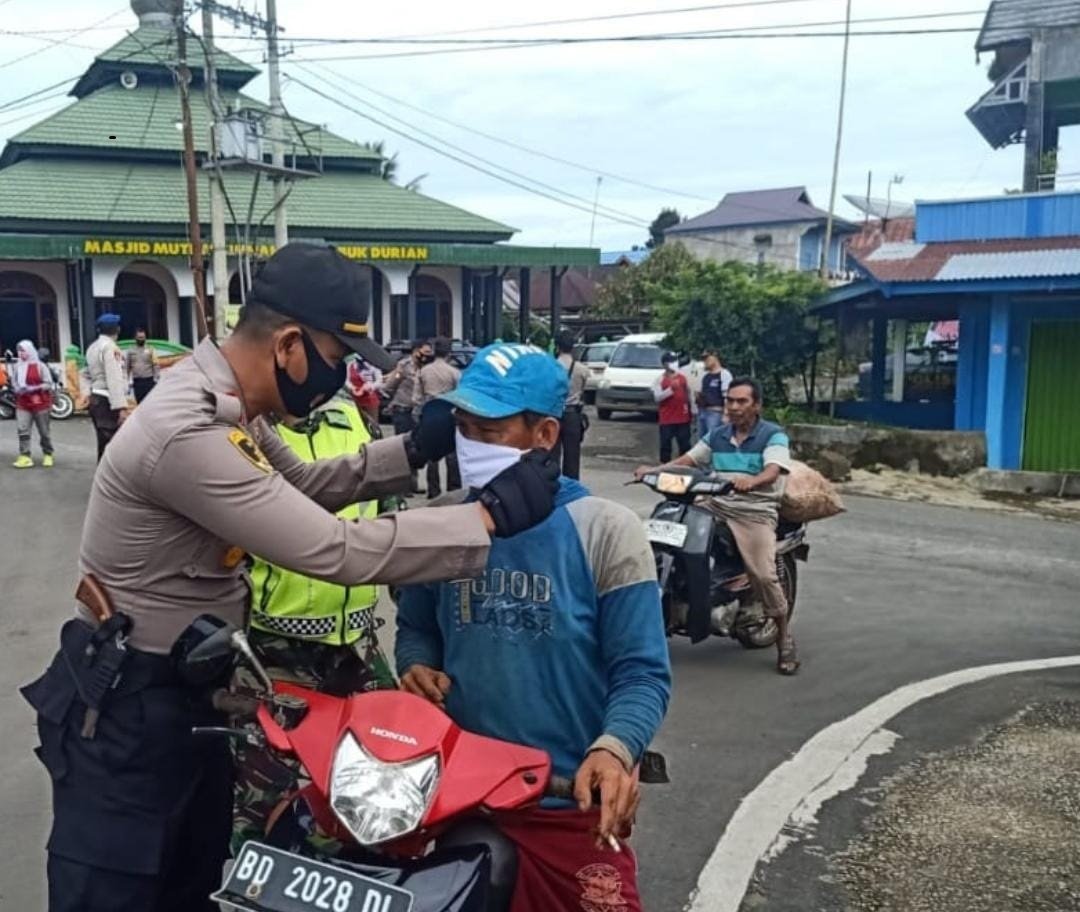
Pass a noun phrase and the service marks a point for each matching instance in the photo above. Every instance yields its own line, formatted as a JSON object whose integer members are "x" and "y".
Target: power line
{"x": 703, "y": 34}
{"x": 582, "y": 201}
{"x": 741, "y": 34}
{"x": 587, "y": 208}
{"x": 521, "y": 148}
{"x": 56, "y": 42}
{"x": 16, "y": 102}
{"x": 613, "y": 16}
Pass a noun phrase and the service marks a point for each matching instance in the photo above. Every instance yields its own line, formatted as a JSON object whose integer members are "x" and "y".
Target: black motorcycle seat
{"x": 785, "y": 528}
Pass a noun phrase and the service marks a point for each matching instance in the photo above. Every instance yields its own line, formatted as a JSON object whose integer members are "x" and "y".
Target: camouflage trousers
{"x": 265, "y": 780}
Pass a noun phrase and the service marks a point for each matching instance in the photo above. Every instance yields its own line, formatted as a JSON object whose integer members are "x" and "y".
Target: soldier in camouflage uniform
{"x": 307, "y": 632}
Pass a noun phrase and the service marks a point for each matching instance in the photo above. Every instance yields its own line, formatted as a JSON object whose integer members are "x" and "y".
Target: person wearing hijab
{"x": 33, "y": 398}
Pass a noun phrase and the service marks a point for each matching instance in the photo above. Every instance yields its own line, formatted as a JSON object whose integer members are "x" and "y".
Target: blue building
{"x": 974, "y": 324}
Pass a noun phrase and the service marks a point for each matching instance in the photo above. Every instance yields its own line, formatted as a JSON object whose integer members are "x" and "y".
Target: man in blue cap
{"x": 108, "y": 382}
{"x": 559, "y": 644}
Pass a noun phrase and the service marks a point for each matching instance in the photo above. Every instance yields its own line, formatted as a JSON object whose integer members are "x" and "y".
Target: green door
{"x": 1052, "y": 418}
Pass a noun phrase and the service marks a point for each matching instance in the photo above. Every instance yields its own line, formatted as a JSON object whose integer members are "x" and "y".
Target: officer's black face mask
{"x": 321, "y": 383}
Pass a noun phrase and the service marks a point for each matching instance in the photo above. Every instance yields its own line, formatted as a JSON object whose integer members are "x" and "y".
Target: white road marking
{"x": 831, "y": 762}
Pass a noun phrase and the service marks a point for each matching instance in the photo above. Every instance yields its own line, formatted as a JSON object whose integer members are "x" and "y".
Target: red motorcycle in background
{"x": 387, "y": 774}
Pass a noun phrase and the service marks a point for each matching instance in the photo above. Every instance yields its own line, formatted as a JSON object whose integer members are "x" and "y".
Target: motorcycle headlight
{"x": 380, "y": 801}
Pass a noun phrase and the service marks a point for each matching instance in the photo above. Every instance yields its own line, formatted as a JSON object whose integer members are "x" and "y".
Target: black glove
{"x": 523, "y": 495}
{"x": 433, "y": 437}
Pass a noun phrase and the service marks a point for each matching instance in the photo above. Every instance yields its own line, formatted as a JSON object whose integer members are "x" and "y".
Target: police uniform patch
{"x": 232, "y": 558}
{"x": 250, "y": 450}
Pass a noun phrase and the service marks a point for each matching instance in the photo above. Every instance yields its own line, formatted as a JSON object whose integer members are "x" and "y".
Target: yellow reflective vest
{"x": 297, "y": 606}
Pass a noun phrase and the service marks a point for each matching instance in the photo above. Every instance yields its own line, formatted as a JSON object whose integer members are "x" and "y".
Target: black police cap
{"x": 320, "y": 288}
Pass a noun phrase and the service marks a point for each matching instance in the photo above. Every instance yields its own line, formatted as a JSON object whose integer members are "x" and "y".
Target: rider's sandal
{"x": 787, "y": 661}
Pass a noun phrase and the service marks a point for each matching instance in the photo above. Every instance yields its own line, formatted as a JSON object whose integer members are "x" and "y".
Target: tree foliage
{"x": 667, "y": 218}
{"x": 755, "y": 317}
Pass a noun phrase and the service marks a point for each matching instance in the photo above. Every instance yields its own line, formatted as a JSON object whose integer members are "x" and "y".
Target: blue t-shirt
{"x": 559, "y": 642}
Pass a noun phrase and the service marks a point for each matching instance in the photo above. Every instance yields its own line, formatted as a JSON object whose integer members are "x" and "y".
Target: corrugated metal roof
{"x": 975, "y": 260}
{"x": 1008, "y": 21}
{"x": 1017, "y": 265}
{"x": 759, "y": 207}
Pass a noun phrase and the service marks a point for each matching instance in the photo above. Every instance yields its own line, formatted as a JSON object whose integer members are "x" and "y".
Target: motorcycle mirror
{"x": 204, "y": 652}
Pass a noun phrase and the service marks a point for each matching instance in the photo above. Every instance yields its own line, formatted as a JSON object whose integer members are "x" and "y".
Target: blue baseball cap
{"x": 506, "y": 379}
{"x": 108, "y": 319}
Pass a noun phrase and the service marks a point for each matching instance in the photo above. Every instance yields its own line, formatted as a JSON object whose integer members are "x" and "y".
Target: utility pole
{"x": 1035, "y": 116}
{"x": 277, "y": 126}
{"x": 836, "y": 154}
{"x": 219, "y": 254}
{"x": 183, "y": 79}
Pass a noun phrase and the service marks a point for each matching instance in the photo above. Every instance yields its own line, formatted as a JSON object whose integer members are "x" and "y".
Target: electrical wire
{"x": 14, "y": 103}
{"x": 613, "y": 216}
{"x": 485, "y": 161}
{"x": 56, "y": 42}
{"x": 518, "y": 146}
{"x": 657, "y": 36}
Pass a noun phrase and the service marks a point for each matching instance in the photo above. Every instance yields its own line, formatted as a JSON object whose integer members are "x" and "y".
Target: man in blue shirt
{"x": 754, "y": 455}
{"x": 560, "y": 645}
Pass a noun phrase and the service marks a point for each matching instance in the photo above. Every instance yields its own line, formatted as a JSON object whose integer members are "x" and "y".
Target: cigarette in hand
{"x": 614, "y": 843}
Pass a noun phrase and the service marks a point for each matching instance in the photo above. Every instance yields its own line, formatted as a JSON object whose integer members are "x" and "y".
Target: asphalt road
{"x": 893, "y": 593}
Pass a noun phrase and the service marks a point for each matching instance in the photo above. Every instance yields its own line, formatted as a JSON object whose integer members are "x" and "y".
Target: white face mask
{"x": 479, "y": 462}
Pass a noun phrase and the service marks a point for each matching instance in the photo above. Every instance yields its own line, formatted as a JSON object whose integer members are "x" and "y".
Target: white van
{"x": 635, "y": 365}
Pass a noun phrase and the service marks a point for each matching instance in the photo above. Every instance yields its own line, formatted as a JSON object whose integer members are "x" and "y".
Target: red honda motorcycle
{"x": 387, "y": 774}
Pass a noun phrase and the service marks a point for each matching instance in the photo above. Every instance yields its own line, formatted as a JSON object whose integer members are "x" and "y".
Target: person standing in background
{"x": 108, "y": 385}
{"x": 432, "y": 381}
{"x": 364, "y": 383}
{"x": 573, "y": 423}
{"x": 32, "y": 382}
{"x": 399, "y": 387}
{"x": 142, "y": 366}
{"x": 714, "y": 387}
{"x": 672, "y": 394}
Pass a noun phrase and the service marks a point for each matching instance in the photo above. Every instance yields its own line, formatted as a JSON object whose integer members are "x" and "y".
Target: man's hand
{"x": 523, "y": 495}
{"x": 744, "y": 484}
{"x": 433, "y": 437}
{"x": 429, "y": 683}
{"x": 642, "y": 470}
{"x": 619, "y": 793}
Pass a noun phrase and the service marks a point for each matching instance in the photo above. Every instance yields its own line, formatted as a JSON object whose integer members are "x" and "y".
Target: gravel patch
{"x": 994, "y": 826}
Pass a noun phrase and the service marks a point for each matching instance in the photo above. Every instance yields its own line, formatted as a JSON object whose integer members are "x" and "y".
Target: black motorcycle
{"x": 703, "y": 581}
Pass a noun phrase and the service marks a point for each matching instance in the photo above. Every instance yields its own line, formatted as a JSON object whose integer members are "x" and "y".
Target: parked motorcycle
{"x": 63, "y": 406}
{"x": 703, "y": 581}
{"x": 387, "y": 773}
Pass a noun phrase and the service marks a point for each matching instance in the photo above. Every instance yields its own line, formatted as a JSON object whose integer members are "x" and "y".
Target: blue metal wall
{"x": 1023, "y": 216}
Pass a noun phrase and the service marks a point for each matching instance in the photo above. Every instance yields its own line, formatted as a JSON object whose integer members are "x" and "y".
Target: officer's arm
{"x": 114, "y": 378}
{"x": 217, "y": 478}
{"x": 380, "y": 468}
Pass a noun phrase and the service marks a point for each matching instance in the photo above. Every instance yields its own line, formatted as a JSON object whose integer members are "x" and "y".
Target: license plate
{"x": 664, "y": 532}
{"x": 265, "y": 879}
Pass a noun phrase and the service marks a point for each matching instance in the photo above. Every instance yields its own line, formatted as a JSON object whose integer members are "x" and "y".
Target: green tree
{"x": 631, "y": 292}
{"x": 667, "y": 218}
{"x": 756, "y": 318}
{"x": 388, "y": 166}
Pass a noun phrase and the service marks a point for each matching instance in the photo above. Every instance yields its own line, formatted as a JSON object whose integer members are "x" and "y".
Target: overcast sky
{"x": 701, "y": 118}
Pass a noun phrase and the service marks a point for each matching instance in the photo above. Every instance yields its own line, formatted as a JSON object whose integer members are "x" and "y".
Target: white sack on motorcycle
{"x": 808, "y": 495}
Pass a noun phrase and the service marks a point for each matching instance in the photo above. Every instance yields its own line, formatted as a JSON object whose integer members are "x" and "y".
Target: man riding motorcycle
{"x": 754, "y": 455}
{"x": 558, "y": 645}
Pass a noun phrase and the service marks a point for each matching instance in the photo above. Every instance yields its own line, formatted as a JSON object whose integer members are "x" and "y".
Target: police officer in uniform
{"x": 192, "y": 482}
{"x": 108, "y": 383}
